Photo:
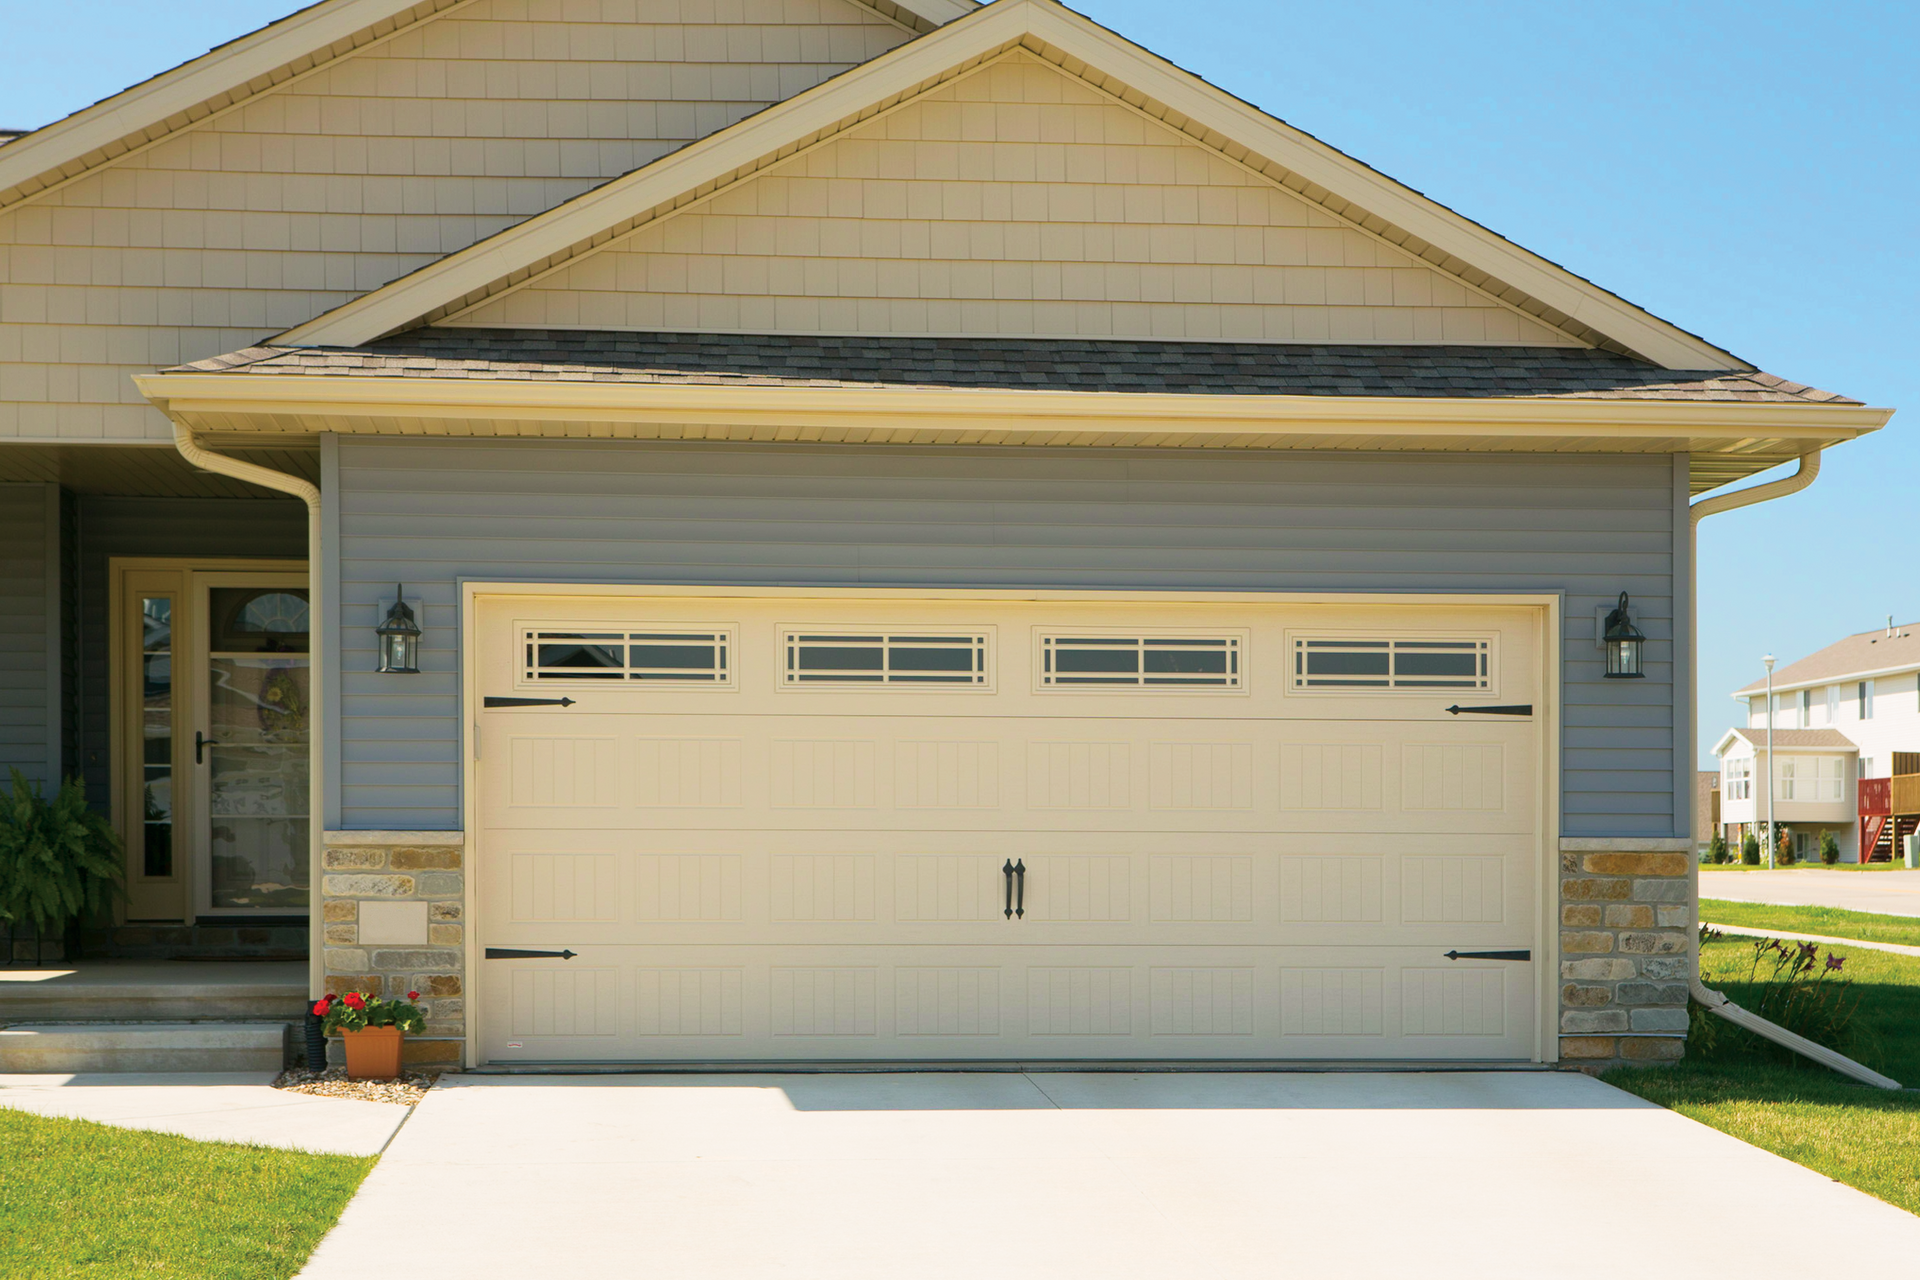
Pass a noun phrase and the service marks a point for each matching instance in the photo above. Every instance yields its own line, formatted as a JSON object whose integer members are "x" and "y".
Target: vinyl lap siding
{"x": 431, "y": 514}
{"x": 29, "y": 740}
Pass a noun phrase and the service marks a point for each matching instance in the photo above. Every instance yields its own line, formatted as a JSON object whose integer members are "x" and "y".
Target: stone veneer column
{"x": 393, "y": 922}
{"x": 1626, "y": 922}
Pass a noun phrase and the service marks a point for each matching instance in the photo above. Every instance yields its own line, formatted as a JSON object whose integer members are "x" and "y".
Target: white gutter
{"x": 1714, "y": 1001}
{"x": 267, "y": 478}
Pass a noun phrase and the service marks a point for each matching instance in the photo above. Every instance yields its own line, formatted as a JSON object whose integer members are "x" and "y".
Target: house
{"x": 934, "y": 534}
{"x": 1850, "y": 714}
{"x": 1706, "y": 807}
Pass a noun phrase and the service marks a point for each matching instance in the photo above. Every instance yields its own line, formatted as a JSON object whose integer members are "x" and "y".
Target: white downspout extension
{"x": 267, "y": 478}
{"x": 1713, "y": 1000}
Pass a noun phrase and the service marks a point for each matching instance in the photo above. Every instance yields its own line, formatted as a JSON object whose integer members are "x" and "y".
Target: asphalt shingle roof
{"x": 1803, "y": 738}
{"x": 1875, "y": 650}
{"x": 1051, "y": 364}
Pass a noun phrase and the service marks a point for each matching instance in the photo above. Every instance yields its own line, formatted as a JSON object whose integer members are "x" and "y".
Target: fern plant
{"x": 59, "y": 860}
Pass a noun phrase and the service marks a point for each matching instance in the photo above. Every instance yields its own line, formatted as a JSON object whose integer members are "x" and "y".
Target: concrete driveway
{"x": 1890, "y": 893}
{"x": 1116, "y": 1176}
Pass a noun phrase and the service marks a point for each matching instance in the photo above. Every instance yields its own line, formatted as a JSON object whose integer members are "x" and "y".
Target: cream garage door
{"x": 778, "y": 829}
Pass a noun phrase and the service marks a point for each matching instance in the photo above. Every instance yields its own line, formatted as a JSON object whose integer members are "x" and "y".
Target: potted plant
{"x": 372, "y": 1030}
{"x": 59, "y": 860}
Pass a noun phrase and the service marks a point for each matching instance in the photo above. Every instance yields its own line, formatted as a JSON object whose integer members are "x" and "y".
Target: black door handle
{"x": 1007, "y": 871}
{"x": 200, "y": 744}
{"x": 1020, "y": 902}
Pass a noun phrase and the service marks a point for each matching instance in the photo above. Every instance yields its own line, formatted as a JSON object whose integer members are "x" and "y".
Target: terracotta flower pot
{"x": 374, "y": 1053}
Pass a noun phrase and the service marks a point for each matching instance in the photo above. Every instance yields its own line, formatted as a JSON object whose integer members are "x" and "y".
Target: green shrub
{"x": 1829, "y": 848}
{"x": 1717, "y": 849}
{"x": 59, "y": 860}
{"x": 1750, "y": 850}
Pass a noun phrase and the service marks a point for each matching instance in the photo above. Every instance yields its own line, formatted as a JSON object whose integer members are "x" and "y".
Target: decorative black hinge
{"x": 526, "y": 702}
{"x": 510, "y": 953}
{"x": 1491, "y": 711}
{"x": 1489, "y": 955}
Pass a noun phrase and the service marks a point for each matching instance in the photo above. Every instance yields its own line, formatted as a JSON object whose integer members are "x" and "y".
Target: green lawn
{"x": 84, "y": 1201}
{"x": 1862, "y": 926}
{"x": 1867, "y": 1138}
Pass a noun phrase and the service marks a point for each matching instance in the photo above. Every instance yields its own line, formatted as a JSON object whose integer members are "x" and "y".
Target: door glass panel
{"x": 156, "y": 735}
{"x": 258, "y": 714}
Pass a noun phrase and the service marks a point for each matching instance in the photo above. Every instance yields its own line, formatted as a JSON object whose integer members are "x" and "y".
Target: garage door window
{"x": 1346, "y": 664}
{"x": 842, "y": 659}
{"x": 1140, "y": 661}
{"x": 677, "y": 657}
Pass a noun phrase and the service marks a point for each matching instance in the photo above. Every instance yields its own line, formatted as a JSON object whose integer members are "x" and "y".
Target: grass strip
{"x": 1867, "y": 1138}
{"x": 85, "y": 1201}
{"x": 1861, "y": 926}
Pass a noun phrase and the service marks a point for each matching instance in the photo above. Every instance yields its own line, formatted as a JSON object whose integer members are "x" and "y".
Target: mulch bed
{"x": 409, "y": 1088}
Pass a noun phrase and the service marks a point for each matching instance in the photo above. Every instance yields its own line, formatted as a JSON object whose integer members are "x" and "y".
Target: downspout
{"x": 1713, "y": 1001}
{"x": 267, "y": 478}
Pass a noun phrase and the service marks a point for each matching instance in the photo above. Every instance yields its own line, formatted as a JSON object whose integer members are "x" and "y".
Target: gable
{"x": 1014, "y": 201}
{"x": 306, "y": 195}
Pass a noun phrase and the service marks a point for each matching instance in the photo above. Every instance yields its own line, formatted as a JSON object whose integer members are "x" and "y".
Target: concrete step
{"x": 143, "y": 1046}
{"x": 164, "y": 991}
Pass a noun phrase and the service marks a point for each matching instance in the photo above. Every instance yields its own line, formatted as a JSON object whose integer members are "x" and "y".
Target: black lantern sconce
{"x": 400, "y": 637}
{"x": 1622, "y": 641}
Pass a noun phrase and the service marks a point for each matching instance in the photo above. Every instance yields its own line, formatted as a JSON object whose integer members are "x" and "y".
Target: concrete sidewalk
{"x": 939, "y": 1176}
{"x": 1887, "y": 893}
{"x": 211, "y": 1106}
{"x": 1744, "y": 931}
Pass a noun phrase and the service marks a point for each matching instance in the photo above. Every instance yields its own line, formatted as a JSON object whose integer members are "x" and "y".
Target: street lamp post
{"x": 1768, "y": 659}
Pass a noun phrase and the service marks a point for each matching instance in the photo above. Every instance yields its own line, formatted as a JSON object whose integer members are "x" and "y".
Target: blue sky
{"x": 1749, "y": 171}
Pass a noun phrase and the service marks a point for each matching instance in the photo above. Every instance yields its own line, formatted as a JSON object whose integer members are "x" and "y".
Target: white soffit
{"x": 1342, "y": 185}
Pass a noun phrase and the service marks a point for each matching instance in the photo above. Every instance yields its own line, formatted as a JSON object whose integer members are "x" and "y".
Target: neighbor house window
{"x": 1789, "y": 774}
{"x": 1756, "y": 712}
{"x": 1833, "y": 704}
{"x": 1866, "y": 767}
{"x": 1832, "y": 777}
{"x": 1866, "y": 699}
{"x": 1738, "y": 783}
{"x": 1806, "y": 708}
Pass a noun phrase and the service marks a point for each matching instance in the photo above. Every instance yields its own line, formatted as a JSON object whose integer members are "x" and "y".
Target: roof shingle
{"x": 1040, "y": 364}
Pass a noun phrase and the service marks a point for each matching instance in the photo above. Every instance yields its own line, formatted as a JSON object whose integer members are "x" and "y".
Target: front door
{"x": 215, "y": 714}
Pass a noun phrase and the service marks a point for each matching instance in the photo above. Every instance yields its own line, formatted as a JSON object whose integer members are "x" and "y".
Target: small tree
{"x": 1829, "y": 848}
{"x": 1782, "y": 847}
{"x": 1750, "y": 850}
{"x": 1717, "y": 849}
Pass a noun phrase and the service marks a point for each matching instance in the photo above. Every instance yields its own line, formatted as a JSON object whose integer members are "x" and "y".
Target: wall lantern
{"x": 400, "y": 637}
{"x": 1623, "y": 641}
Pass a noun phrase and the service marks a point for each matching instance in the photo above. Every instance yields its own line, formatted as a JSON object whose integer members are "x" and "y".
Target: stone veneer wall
{"x": 392, "y": 922}
{"x": 1626, "y": 949}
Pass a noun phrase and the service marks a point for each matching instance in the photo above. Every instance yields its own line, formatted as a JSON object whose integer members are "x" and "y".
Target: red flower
{"x": 413, "y": 995}
{"x": 320, "y": 1008}
{"x": 353, "y": 1001}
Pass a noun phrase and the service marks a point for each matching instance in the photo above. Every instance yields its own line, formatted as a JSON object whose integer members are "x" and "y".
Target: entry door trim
{"x": 173, "y": 576}
{"x": 1547, "y": 655}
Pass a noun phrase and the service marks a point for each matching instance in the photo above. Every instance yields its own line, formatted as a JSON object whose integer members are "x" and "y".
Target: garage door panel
{"x": 859, "y": 1004}
{"x": 752, "y": 871}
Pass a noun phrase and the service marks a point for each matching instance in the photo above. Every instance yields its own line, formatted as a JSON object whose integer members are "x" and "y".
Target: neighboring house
{"x": 1706, "y": 807}
{"x": 1813, "y": 787}
{"x": 936, "y": 535}
{"x": 1860, "y": 697}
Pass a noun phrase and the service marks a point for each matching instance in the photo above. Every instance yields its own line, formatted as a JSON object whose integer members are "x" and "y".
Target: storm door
{"x": 250, "y": 743}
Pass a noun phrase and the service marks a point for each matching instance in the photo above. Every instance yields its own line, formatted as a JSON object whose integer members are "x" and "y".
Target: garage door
{"x": 777, "y": 829}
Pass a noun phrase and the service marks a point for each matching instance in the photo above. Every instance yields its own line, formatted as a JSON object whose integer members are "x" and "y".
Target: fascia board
{"x": 1873, "y": 673}
{"x": 1726, "y": 740}
{"x": 939, "y": 12}
{"x": 407, "y": 299}
{"x": 1729, "y": 425}
{"x": 190, "y": 84}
